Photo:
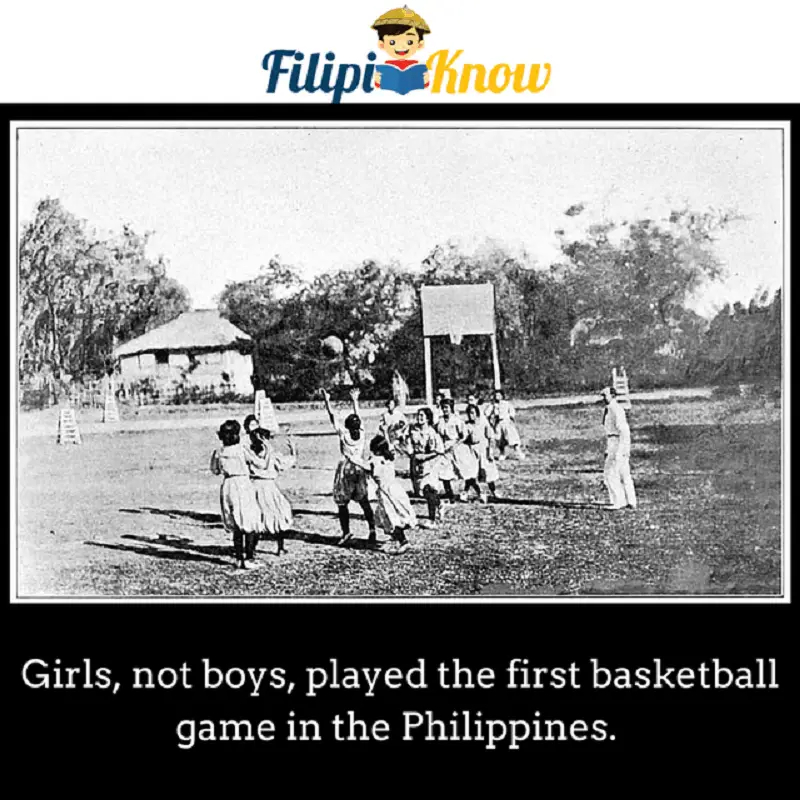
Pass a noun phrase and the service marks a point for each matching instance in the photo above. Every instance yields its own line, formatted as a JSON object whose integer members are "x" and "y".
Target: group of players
{"x": 441, "y": 446}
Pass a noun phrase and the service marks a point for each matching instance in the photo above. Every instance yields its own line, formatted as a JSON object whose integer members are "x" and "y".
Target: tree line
{"x": 618, "y": 295}
{"x": 81, "y": 294}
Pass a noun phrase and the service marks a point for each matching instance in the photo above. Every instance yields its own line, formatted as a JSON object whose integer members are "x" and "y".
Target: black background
{"x": 72, "y": 735}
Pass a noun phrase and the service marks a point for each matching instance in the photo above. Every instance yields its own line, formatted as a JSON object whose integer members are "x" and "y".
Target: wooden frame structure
{"x": 456, "y": 311}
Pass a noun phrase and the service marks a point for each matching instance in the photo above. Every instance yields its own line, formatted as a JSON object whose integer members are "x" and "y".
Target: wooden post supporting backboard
{"x": 495, "y": 361}
{"x": 456, "y": 311}
{"x": 428, "y": 372}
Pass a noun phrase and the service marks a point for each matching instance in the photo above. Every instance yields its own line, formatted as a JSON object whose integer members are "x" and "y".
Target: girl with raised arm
{"x": 350, "y": 481}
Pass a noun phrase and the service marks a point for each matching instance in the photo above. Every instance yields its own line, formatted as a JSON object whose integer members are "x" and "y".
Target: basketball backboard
{"x": 461, "y": 309}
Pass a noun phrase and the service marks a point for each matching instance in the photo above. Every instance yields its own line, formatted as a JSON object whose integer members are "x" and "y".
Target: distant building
{"x": 198, "y": 349}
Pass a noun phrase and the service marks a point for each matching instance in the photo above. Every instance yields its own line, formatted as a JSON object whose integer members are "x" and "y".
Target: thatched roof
{"x": 193, "y": 330}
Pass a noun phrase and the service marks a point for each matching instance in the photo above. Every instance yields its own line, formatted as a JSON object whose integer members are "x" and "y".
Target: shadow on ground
{"x": 215, "y": 521}
{"x": 518, "y": 501}
{"x": 180, "y": 552}
{"x": 210, "y": 520}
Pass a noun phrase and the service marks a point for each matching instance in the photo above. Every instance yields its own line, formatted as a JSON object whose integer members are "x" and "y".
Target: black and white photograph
{"x": 434, "y": 361}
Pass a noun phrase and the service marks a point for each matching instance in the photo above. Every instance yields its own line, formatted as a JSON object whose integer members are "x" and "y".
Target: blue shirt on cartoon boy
{"x": 400, "y": 36}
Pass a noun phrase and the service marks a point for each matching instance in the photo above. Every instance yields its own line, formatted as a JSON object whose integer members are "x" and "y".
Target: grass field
{"x": 137, "y": 514}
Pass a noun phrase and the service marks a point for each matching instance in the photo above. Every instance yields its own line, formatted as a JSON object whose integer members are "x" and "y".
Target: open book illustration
{"x": 402, "y": 81}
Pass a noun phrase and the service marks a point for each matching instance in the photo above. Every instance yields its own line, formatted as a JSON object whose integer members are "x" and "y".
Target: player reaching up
{"x": 350, "y": 481}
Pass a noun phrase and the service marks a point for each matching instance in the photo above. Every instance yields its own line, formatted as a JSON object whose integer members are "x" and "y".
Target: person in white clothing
{"x": 392, "y": 425}
{"x": 502, "y": 418}
{"x": 617, "y": 470}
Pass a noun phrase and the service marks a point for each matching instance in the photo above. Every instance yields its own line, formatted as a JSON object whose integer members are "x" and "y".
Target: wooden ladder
{"x": 68, "y": 432}
{"x": 619, "y": 380}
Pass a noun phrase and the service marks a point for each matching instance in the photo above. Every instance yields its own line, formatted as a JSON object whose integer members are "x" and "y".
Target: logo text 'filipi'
{"x": 447, "y": 74}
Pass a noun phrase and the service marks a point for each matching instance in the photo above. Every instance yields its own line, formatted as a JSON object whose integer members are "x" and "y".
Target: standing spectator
{"x": 617, "y": 470}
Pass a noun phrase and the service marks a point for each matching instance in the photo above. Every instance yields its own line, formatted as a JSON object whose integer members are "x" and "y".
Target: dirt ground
{"x": 135, "y": 513}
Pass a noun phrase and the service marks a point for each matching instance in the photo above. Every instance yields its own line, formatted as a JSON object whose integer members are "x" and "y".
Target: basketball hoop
{"x": 455, "y": 329}
{"x": 455, "y": 311}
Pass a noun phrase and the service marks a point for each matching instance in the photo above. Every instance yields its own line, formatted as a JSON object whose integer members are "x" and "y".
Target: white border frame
{"x": 783, "y": 599}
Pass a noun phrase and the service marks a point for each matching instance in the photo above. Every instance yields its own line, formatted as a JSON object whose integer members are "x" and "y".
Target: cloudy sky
{"x": 223, "y": 202}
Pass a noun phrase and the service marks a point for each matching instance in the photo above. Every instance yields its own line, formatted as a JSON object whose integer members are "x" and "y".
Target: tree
{"x": 742, "y": 343}
{"x": 262, "y": 307}
{"x": 630, "y": 282}
{"x": 256, "y": 305}
{"x": 533, "y": 319}
{"x": 130, "y": 297}
{"x": 58, "y": 262}
{"x": 80, "y": 294}
{"x": 366, "y": 308}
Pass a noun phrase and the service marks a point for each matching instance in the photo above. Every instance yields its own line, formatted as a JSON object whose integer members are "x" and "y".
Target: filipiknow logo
{"x": 402, "y": 36}
{"x": 401, "y": 33}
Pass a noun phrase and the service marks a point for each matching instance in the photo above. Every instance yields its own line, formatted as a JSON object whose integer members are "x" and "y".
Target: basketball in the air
{"x": 332, "y": 346}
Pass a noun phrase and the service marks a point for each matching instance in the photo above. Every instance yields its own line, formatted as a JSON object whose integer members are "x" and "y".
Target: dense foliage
{"x": 80, "y": 295}
{"x": 617, "y": 296}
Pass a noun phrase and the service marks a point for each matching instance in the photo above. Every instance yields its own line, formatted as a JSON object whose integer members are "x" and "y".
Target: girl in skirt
{"x": 459, "y": 461}
{"x": 501, "y": 416}
{"x": 350, "y": 481}
{"x": 265, "y": 463}
{"x": 240, "y": 512}
{"x": 478, "y": 437}
{"x": 425, "y": 448}
{"x": 393, "y": 510}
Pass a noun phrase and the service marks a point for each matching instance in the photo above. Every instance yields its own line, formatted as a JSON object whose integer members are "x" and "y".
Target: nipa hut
{"x": 197, "y": 349}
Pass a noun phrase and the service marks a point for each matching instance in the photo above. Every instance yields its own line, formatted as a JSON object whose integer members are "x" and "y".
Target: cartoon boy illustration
{"x": 400, "y": 35}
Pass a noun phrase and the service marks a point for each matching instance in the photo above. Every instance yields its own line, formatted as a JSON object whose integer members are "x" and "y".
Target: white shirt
{"x": 615, "y": 423}
{"x": 503, "y": 410}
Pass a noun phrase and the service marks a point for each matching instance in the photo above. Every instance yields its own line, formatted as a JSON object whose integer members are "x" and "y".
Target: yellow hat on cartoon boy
{"x": 402, "y": 16}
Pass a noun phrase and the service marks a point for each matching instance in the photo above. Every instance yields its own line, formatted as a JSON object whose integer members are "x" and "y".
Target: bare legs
{"x": 344, "y": 521}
